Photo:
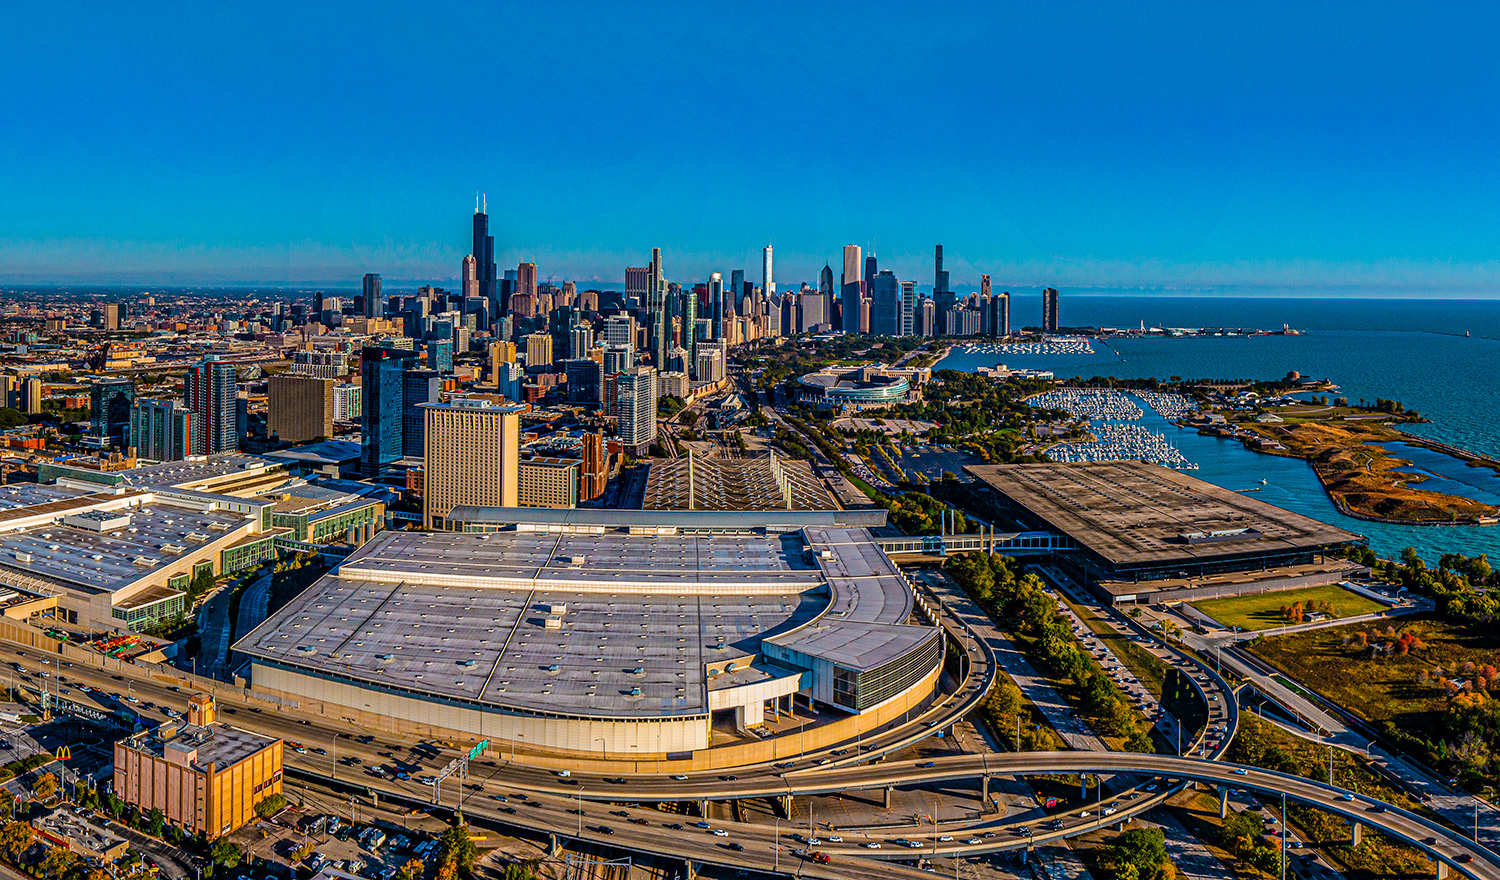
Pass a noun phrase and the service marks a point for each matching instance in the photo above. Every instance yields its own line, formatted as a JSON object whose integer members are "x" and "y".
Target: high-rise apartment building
{"x": 1049, "y": 310}
{"x": 161, "y": 430}
{"x": 594, "y": 474}
{"x": 636, "y": 407}
{"x": 471, "y": 456}
{"x": 539, "y": 350}
{"x": 383, "y": 397}
{"x": 208, "y": 389}
{"x": 908, "y": 307}
{"x": 374, "y": 305}
{"x": 110, "y": 403}
{"x": 708, "y": 361}
{"x": 619, "y": 330}
{"x": 322, "y": 364}
{"x": 886, "y": 314}
{"x": 716, "y": 304}
{"x": 736, "y": 290}
{"x": 115, "y": 315}
{"x": 656, "y": 307}
{"x": 299, "y": 408}
{"x": 347, "y": 402}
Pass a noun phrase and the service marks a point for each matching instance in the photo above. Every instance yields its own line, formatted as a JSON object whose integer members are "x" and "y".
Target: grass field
{"x": 1263, "y": 610}
{"x": 1381, "y": 690}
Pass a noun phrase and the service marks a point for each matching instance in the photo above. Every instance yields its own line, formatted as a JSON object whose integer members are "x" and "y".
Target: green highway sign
{"x": 478, "y": 749}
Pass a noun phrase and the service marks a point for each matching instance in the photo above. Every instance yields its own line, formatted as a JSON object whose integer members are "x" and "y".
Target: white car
{"x": 946, "y": 838}
{"x": 719, "y": 832}
{"x": 834, "y": 838}
{"x": 874, "y": 844}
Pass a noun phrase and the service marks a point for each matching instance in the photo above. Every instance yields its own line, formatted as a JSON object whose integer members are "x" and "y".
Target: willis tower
{"x": 484, "y": 259}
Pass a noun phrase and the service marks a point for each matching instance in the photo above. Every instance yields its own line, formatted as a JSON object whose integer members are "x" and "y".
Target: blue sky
{"x": 1300, "y": 146}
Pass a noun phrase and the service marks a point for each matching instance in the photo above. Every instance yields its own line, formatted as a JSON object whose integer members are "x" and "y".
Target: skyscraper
{"x": 374, "y": 307}
{"x": 885, "y": 304}
{"x": 418, "y": 386}
{"x": 381, "y": 371}
{"x": 716, "y": 304}
{"x": 110, "y": 403}
{"x": 984, "y": 287}
{"x": 736, "y": 290}
{"x": 942, "y": 296}
{"x": 161, "y": 430}
{"x": 485, "y": 275}
{"x": 872, "y": 268}
{"x": 636, "y": 406}
{"x": 767, "y": 273}
{"x": 594, "y": 476}
{"x": 470, "y": 276}
{"x": 526, "y": 278}
{"x": 656, "y": 306}
{"x": 208, "y": 390}
{"x": 299, "y": 408}
{"x": 1049, "y": 310}
{"x": 908, "y": 308}
{"x": 471, "y": 455}
{"x": 850, "y": 289}
{"x": 636, "y": 280}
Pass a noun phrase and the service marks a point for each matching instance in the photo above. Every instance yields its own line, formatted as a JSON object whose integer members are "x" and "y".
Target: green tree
{"x": 15, "y": 839}
{"x": 455, "y": 848}
{"x": 270, "y": 806}
{"x": 412, "y": 870}
{"x": 225, "y": 853}
{"x": 1141, "y": 853}
{"x": 45, "y": 786}
{"x": 155, "y": 822}
{"x": 57, "y": 863}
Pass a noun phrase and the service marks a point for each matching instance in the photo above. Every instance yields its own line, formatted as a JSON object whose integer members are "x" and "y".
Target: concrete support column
{"x": 689, "y": 872}
{"x": 552, "y": 845}
{"x": 984, "y": 789}
{"x": 1356, "y": 833}
{"x": 1083, "y": 788}
{"x": 887, "y": 799}
{"x": 703, "y": 809}
{"x": 1223, "y": 802}
{"x": 1442, "y": 872}
{"x": 786, "y": 806}
{"x": 1121, "y": 826}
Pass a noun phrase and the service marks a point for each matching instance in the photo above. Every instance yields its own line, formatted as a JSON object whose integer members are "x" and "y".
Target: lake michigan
{"x": 1414, "y": 351}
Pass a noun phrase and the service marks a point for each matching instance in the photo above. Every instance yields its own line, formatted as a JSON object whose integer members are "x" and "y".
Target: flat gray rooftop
{"x": 588, "y": 562}
{"x": 1133, "y": 513}
{"x": 493, "y": 646}
{"x": 216, "y": 743}
{"x": 683, "y": 520}
{"x": 178, "y": 473}
{"x": 107, "y": 561}
{"x": 636, "y": 618}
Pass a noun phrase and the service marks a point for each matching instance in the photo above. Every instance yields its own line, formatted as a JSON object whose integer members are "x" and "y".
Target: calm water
{"x": 1414, "y": 352}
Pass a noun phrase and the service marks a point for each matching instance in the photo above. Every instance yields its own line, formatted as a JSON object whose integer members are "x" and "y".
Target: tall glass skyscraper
{"x": 885, "y": 304}
{"x": 484, "y": 261}
{"x": 381, "y": 371}
{"x": 208, "y": 390}
{"x": 374, "y": 305}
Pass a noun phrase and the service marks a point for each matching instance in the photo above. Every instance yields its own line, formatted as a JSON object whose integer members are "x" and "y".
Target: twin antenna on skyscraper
{"x": 485, "y": 203}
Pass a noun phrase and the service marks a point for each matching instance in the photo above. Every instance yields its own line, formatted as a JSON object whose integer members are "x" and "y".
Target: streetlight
{"x": 1367, "y": 748}
{"x": 580, "y": 813}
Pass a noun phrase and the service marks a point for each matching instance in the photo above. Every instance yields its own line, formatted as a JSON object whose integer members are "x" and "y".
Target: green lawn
{"x": 1263, "y": 610}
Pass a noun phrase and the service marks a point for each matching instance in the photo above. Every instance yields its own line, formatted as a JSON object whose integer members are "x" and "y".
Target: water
{"x": 1411, "y": 351}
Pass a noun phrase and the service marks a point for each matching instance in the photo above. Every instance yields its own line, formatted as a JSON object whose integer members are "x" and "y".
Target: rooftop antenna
{"x": 486, "y": 203}
{"x": 476, "y": 203}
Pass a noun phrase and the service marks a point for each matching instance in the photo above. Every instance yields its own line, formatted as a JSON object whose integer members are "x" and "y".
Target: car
{"x": 728, "y": 777}
{"x": 675, "y": 826}
{"x": 564, "y": 774}
{"x": 1151, "y": 787}
{"x": 1378, "y": 808}
{"x": 1110, "y": 811}
{"x": 821, "y": 858}
{"x": 615, "y": 780}
{"x": 973, "y": 840}
{"x": 874, "y": 844}
{"x": 1430, "y": 841}
{"x": 840, "y": 751}
{"x": 427, "y": 780}
{"x": 913, "y": 844}
{"x": 834, "y": 838}
{"x": 946, "y": 838}
{"x": 679, "y": 777}
{"x": 1085, "y": 814}
{"x": 1465, "y": 857}
{"x": 637, "y": 820}
{"x": 606, "y": 830}
{"x": 509, "y": 811}
{"x": 701, "y": 824}
{"x": 719, "y": 832}
{"x": 500, "y": 797}
{"x": 320, "y": 751}
{"x": 782, "y": 765}
{"x": 813, "y": 841}
{"x": 1240, "y": 771}
{"x": 736, "y": 846}
{"x": 132, "y": 699}
{"x": 926, "y": 765}
{"x": 1348, "y": 796}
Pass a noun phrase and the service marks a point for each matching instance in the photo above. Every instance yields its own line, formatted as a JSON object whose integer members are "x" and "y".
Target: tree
{"x": 412, "y": 870}
{"x": 225, "y": 853}
{"x": 57, "y": 863}
{"x": 15, "y": 839}
{"x": 1141, "y": 853}
{"x": 270, "y": 806}
{"x": 456, "y": 849}
{"x": 45, "y": 786}
{"x": 155, "y": 821}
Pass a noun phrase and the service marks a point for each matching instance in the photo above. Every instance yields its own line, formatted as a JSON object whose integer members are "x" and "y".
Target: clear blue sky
{"x": 1110, "y": 144}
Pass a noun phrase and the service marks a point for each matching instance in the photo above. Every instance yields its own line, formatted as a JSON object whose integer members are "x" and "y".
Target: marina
{"x": 1058, "y": 345}
{"x": 1127, "y": 442}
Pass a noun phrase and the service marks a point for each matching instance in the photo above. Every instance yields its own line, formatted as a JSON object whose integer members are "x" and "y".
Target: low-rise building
{"x": 204, "y": 776}
{"x": 548, "y": 482}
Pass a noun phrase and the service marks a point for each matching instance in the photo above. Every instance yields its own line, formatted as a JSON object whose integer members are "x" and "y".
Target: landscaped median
{"x": 1258, "y": 611}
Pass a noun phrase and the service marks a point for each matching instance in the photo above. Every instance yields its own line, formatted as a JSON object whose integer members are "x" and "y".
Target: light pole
{"x": 1367, "y": 748}
{"x": 580, "y": 813}
{"x": 333, "y": 757}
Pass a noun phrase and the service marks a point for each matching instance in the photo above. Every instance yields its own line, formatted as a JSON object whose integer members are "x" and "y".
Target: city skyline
{"x": 1280, "y": 148}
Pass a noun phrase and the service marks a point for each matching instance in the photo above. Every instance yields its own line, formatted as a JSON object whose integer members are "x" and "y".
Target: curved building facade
{"x": 856, "y": 388}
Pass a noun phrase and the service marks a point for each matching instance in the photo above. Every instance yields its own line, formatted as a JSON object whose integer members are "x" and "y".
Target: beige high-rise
{"x": 300, "y": 408}
{"x": 473, "y": 450}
